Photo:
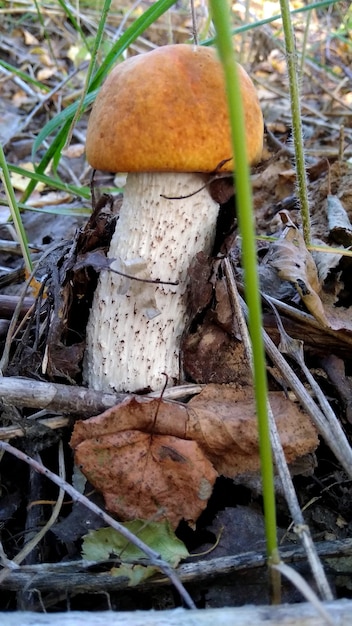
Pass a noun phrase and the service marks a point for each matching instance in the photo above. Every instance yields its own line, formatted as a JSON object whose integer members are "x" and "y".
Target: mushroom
{"x": 162, "y": 118}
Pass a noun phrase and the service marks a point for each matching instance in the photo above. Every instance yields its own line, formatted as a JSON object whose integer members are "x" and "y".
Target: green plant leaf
{"x": 220, "y": 13}
{"x": 55, "y": 183}
{"x": 54, "y": 148}
{"x": 62, "y": 118}
{"x": 130, "y": 35}
{"x": 102, "y": 544}
{"x": 23, "y": 76}
{"x": 15, "y": 212}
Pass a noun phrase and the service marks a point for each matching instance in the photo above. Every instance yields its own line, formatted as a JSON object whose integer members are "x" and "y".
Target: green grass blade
{"x": 54, "y": 149}
{"x": 67, "y": 10}
{"x": 54, "y": 210}
{"x": 23, "y": 76}
{"x": 242, "y": 29}
{"x": 54, "y": 183}
{"x": 60, "y": 120}
{"x": 129, "y": 36}
{"x": 44, "y": 30}
{"x": 297, "y": 129}
{"x": 221, "y": 20}
{"x": 15, "y": 213}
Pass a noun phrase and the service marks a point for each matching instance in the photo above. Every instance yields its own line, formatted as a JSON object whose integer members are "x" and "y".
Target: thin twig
{"x": 154, "y": 557}
{"x": 28, "y": 547}
{"x": 298, "y": 581}
{"x": 326, "y": 424}
{"x": 279, "y": 455}
{"x": 194, "y": 24}
{"x": 72, "y": 400}
{"x": 89, "y": 576}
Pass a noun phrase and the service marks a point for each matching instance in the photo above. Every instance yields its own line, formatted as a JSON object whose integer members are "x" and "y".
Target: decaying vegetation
{"x": 183, "y": 458}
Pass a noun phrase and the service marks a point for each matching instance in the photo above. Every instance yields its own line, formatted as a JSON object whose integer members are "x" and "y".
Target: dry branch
{"x": 75, "y": 576}
{"x": 58, "y": 398}
{"x": 285, "y": 615}
{"x": 23, "y": 392}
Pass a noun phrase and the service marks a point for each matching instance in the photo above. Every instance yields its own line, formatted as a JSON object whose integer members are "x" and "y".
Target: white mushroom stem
{"x": 135, "y": 328}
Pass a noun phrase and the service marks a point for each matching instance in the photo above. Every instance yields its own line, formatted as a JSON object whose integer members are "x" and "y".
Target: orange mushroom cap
{"x": 166, "y": 111}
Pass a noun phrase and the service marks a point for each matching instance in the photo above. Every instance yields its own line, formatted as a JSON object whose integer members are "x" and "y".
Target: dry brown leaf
{"x": 200, "y": 277}
{"x": 20, "y": 182}
{"x": 45, "y": 73}
{"x": 29, "y": 38}
{"x": 148, "y": 476}
{"x": 135, "y": 413}
{"x": 147, "y": 454}
{"x": 211, "y": 355}
{"x": 228, "y": 428}
{"x": 272, "y": 182}
{"x": 20, "y": 98}
{"x": 74, "y": 151}
{"x": 52, "y": 198}
{"x": 339, "y": 317}
{"x": 43, "y": 56}
{"x": 213, "y": 351}
{"x": 294, "y": 263}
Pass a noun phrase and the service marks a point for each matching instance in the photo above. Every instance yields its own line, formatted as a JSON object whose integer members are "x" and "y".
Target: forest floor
{"x": 41, "y": 533}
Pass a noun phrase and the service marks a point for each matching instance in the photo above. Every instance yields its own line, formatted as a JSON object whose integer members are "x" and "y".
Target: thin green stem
{"x": 305, "y": 41}
{"x": 292, "y": 67}
{"x": 68, "y": 10}
{"x": 221, "y": 20}
{"x": 138, "y": 27}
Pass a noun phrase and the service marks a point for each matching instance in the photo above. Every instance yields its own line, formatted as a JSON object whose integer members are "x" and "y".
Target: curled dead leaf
{"x": 294, "y": 263}
{"x": 152, "y": 457}
{"x": 135, "y": 413}
{"x": 228, "y": 428}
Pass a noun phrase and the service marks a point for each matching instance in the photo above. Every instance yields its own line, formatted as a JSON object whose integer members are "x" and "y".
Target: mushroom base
{"x": 135, "y": 327}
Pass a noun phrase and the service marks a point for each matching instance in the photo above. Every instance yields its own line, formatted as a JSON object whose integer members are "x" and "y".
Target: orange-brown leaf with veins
{"x": 150, "y": 457}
